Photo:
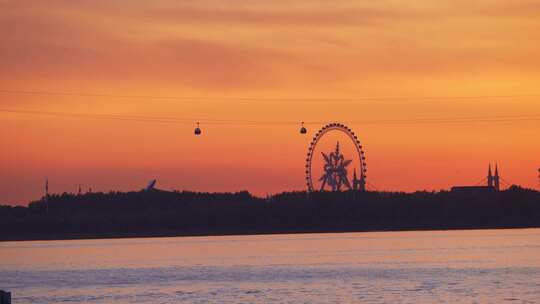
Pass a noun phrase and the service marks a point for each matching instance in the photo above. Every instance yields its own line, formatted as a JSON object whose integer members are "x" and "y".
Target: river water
{"x": 476, "y": 266}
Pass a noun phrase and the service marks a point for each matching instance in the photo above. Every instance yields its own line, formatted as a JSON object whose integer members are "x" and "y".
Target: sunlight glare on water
{"x": 379, "y": 267}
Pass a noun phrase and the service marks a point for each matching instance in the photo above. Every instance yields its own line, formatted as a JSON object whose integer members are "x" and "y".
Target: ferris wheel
{"x": 335, "y": 165}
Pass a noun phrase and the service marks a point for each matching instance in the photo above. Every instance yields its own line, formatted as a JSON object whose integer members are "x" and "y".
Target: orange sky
{"x": 352, "y": 55}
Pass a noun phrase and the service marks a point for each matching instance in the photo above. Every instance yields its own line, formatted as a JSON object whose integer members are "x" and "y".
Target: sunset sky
{"x": 250, "y": 71}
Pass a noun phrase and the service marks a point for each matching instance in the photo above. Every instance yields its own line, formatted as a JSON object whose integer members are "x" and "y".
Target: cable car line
{"x": 185, "y": 120}
{"x": 267, "y": 99}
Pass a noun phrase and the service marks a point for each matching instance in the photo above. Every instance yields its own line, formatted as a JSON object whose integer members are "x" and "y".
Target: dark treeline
{"x": 155, "y": 212}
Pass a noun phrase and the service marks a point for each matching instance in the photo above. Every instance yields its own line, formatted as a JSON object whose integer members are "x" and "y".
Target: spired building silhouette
{"x": 494, "y": 180}
{"x": 493, "y": 184}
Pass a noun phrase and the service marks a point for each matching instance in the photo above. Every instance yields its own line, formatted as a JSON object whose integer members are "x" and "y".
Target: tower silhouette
{"x": 355, "y": 180}
{"x": 359, "y": 184}
{"x": 46, "y": 197}
{"x": 490, "y": 177}
{"x": 496, "y": 178}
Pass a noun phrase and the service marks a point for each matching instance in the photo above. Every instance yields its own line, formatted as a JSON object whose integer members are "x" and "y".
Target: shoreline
{"x": 175, "y": 214}
{"x": 68, "y": 237}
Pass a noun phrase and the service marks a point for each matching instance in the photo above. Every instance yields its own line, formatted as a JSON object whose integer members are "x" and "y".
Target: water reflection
{"x": 452, "y": 266}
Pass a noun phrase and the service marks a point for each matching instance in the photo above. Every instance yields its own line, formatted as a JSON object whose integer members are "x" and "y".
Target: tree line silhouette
{"x": 163, "y": 213}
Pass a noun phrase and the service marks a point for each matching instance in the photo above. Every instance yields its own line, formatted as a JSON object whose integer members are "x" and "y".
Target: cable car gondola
{"x": 303, "y": 129}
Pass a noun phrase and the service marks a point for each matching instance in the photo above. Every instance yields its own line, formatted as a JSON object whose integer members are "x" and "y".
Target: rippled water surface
{"x": 480, "y": 266}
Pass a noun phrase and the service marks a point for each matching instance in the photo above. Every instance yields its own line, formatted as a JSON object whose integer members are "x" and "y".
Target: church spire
{"x": 496, "y": 179}
{"x": 490, "y": 177}
{"x": 355, "y": 180}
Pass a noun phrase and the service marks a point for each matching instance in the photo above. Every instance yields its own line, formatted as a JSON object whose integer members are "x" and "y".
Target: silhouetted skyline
{"x": 155, "y": 212}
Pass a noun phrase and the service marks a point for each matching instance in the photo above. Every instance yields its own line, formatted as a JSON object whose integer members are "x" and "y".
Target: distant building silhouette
{"x": 473, "y": 189}
{"x": 493, "y": 184}
{"x": 358, "y": 184}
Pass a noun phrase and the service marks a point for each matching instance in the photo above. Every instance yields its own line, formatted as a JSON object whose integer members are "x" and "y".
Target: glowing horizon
{"x": 390, "y": 60}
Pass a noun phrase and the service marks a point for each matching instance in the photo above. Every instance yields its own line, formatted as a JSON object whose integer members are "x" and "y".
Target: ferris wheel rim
{"x": 320, "y": 134}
